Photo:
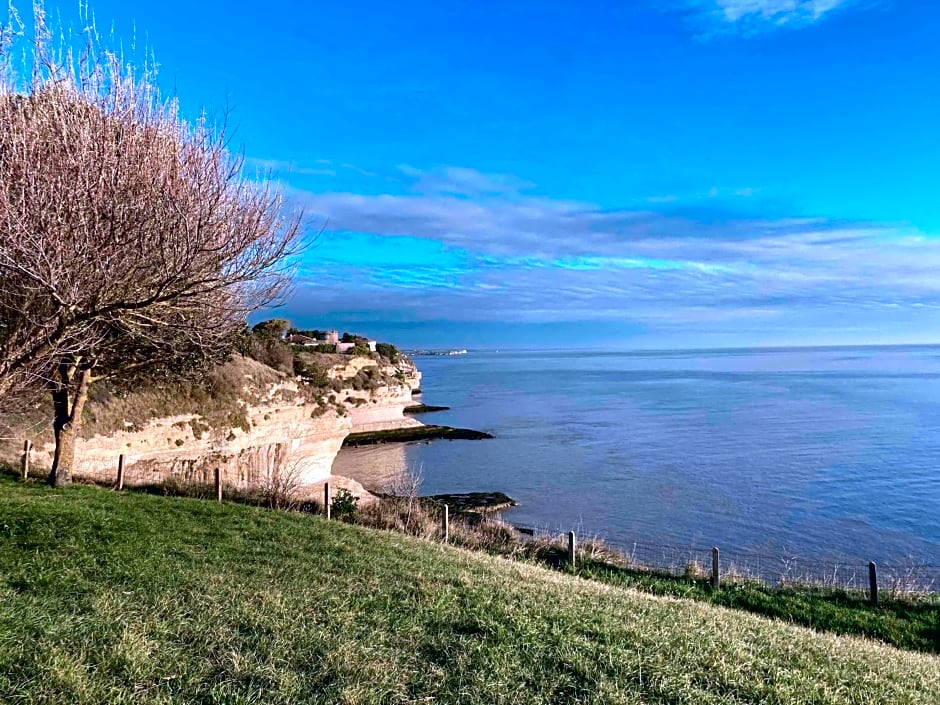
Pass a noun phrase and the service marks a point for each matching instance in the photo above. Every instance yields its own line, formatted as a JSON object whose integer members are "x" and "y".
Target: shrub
{"x": 278, "y": 356}
{"x": 403, "y": 514}
{"x": 311, "y": 372}
{"x": 388, "y": 351}
{"x": 273, "y": 328}
{"x": 199, "y": 427}
{"x": 280, "y": 488}
{"x": 344, "y": 505}
{"x": 359, "y": 381}
{"x": 237, "y": 418}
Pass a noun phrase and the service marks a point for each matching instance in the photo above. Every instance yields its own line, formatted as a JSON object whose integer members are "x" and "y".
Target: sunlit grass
{"x": 123, "y": 597}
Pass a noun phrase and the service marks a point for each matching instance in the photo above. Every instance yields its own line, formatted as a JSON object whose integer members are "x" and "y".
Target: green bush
{"x": 275, "y": 354}
{"x": 311, "y": 372}
{"x": 388, "y": 351}
{"x": 344, "y": 505}
{"x": 265, "y": 344}
{"x": 273, "y": 328}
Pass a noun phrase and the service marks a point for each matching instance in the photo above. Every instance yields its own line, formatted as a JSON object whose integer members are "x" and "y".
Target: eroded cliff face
{"x": 382, "y": 406}
{"x": 280, "y": 431}
{"x": 283, "y": 440}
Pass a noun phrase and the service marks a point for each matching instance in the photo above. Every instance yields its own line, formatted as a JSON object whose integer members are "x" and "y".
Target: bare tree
{"x": 280, "y": 488}
{"x": 406, "y": 486}
{"x": 128, "y": 237}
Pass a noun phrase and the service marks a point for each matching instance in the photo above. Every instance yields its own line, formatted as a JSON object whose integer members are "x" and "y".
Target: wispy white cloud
{"x": 751, "y": 16}
{"x": 529, "y": 259}
{"x": 358, "y": 170}
{"x": 283, "y": 169}
{"x": 463, "y": 181}
{"x": 279, "y": 168}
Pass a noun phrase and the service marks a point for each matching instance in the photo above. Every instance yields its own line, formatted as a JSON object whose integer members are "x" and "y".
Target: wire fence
{"x": 786, "y": 569}
{"x": 783, "y": 569}
{"x": 208, "y": 476}
{"x": 779, "y": 570}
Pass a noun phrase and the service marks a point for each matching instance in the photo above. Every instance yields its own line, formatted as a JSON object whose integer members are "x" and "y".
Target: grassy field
{"x": 108, "y": 597}
{"x": 906, "y": 621}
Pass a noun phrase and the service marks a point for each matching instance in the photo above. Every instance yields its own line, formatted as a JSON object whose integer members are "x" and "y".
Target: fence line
{"x": 24, "y": 461}
{"x": 777, "y": 570}
{"x": 718, "y": 564}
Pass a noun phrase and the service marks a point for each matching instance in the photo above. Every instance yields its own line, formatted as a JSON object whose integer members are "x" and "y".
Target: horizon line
{"x": 615, "y": 350}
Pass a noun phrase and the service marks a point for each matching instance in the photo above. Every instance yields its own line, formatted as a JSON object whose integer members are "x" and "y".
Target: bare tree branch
{"x": 128, "y": 236}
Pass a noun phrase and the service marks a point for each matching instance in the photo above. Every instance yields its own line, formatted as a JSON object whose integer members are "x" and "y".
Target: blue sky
{"x": 651, "y": 173}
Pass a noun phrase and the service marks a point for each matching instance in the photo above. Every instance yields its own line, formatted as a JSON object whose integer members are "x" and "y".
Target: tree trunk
{"x": 64, "y": 459}
{"x": 68, "y": 419}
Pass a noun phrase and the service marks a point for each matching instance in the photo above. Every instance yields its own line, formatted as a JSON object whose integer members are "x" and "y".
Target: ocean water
{"x": 826, "y": 453}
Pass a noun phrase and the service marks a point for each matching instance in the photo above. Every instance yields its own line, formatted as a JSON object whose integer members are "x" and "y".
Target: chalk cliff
{"x": 381, "y": 407}
{"x": 276, "y": 426}
{"x": 282, "y": 438}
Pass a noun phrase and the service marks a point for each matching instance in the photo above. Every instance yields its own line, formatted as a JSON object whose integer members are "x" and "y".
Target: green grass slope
{"x": 131, "y": 598}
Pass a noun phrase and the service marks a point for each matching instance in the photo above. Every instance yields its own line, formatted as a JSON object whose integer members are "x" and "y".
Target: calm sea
{"x": 818, "y": 452}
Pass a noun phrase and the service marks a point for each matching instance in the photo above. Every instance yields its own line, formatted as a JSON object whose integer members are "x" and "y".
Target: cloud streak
{"x": 702, "y": 267}
{"x": 753, "y": 16}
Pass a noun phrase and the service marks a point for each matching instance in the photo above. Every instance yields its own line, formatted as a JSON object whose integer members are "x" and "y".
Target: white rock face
{"x": 382, "y": 408}
{"x": 287, "y": 442}
{"x": 284, "y": 441}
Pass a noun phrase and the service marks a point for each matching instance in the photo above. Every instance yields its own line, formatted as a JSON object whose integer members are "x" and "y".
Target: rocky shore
{"x": 474, "y": 502}
{"x": 424, "y": 409}
{"x": 411, "y": 434}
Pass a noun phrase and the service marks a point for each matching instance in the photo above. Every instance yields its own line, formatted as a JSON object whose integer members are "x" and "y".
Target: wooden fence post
{"x": 873, "y": 583}
{"x": 716, "y": 576}
{"x": 445, "y": 523}
{"x": 218, "y": 484}
{"x": 572, "y": 549}
{"x": 24, "y": 464}
{"x": 120, "y": 477}
{"x": 326, "y": 500}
